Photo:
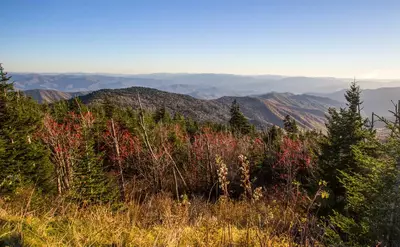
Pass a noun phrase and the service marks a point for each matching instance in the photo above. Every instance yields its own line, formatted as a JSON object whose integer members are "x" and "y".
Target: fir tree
{"x": 90, "y": 183}
{"x": 192, "y": 127}
{"x": 23, "y": 159}
{"x": 372, "y": 211}
{"x": 353, "y": 98}
{"x": 345, "y": 129}
{"x": 238, "y": 121}
{"x": 273, "y": 136}
{"x": 59, "y": 110}
{"x": 162, "y": 115}
{"x": 109, "y": 107}
{"x": 179, "y": 119}
{"x": 371, "y": 214}
{"x": 290, "y": 125}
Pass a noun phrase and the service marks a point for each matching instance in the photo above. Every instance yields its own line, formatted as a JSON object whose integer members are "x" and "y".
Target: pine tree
{"x": 90, "y": 184}
{"x": 59, "y": 110}
{"x": 238, "y": 122}
{"x": 345, "y": 129}
{"x": 109, "y": 107}
{"x": 23, "y": 159}
{"x": 192, "y": 127}
{"x": 353, "y": 98}
{"x": 370, "y": 214}
{"x": 162, "y": 115}
{"x": 290, "y": 125}
{"x": 273, "y": 137}
{"x": 179, "y": 119}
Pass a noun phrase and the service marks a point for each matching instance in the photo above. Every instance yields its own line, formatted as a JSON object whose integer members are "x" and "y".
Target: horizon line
{"x": 200, "y": 73}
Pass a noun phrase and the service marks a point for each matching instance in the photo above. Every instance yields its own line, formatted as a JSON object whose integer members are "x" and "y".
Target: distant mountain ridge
{"x": 203, "y": 86}
{"x": 50, "y": 96}
{"x": 377, "y": 100}
{"x": 262, "y": 111}
{"x": 206, "y": 86}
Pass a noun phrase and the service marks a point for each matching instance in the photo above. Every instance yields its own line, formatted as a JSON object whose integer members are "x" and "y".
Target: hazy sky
{"x": 314, "y": 38}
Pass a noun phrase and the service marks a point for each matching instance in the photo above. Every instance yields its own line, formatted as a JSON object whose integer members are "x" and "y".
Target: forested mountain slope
{"x": 153, "y": 99}
{"x": 263, "y": 110}
{"x": 309, "y": 111}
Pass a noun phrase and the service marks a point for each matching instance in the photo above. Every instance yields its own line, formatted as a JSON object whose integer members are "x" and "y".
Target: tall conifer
{"x": 238, "y": 121}
{"x": 345, "y": 129}
{"x": 23, "y": 159}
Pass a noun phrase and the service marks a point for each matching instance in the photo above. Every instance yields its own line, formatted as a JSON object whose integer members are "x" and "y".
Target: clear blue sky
{"x": 299, "y": 37}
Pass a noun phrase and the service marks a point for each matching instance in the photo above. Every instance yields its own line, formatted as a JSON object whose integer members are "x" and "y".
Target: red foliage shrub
{"x": 293, "y": 158}
{"x": 120, "y": 142}
{"x": 293, "y": 155}
{"x": 64, "y": 140}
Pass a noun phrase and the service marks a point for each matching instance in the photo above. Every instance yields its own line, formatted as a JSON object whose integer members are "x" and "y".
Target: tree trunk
{"x": 122, "y": 185}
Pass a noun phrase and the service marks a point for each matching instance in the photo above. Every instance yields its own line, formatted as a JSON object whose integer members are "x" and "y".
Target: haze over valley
{"x": 204, "y": 86}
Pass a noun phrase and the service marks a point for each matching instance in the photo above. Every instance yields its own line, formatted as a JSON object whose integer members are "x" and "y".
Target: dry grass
{"x": 159, "y": 221}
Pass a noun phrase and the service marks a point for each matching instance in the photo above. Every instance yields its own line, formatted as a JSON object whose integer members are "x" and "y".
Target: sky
{"x": 295, "y": 38}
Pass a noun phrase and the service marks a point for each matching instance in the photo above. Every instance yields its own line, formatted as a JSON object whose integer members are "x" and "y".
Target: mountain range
{"x": 262, "y": 110}
{"x": 207, "y": 97}
{"x": 203, "y": 86}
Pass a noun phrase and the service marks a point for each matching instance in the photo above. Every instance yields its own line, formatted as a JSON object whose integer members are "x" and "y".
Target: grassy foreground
{"x": 158, "y": 221}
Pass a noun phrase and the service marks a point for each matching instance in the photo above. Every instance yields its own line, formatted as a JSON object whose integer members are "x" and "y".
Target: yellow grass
{"x": 159, "y": 221}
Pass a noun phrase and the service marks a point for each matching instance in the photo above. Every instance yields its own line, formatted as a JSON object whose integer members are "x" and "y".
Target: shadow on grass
{"x": 11, "y": 240}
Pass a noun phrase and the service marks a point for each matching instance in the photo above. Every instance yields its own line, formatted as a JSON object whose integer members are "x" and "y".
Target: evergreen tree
{"x": 90, "y": 183}
{"x": 192, "y": 127}
{"x": 179, "y": 119}
{"x": 273, "y": 137}
{"x": 371, "y": 212}
{"x": 353, "y": 98}
{"x": 290, "y": 125}
{"x": 109, "y": 107}
{"x": 345, "y": 129}
{"x": 23, "y": 159}
{"x": 238, "y": 121}
{"x": 162, "y": 115}
{"x": 59, "y": 110}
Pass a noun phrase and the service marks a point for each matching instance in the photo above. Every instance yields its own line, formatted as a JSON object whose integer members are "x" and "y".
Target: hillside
{"x": 50, "y": 96}
{"x": 152, "y": 99}
{"x": 309, "y": 111}
{"x": 262, "y": 110}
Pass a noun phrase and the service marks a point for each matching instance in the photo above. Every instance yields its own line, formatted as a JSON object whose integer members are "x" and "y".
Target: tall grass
{"x": 28, "y": 220}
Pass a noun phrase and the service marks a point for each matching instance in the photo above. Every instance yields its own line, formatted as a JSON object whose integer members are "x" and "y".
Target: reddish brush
{"x": 64, "y": 140}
